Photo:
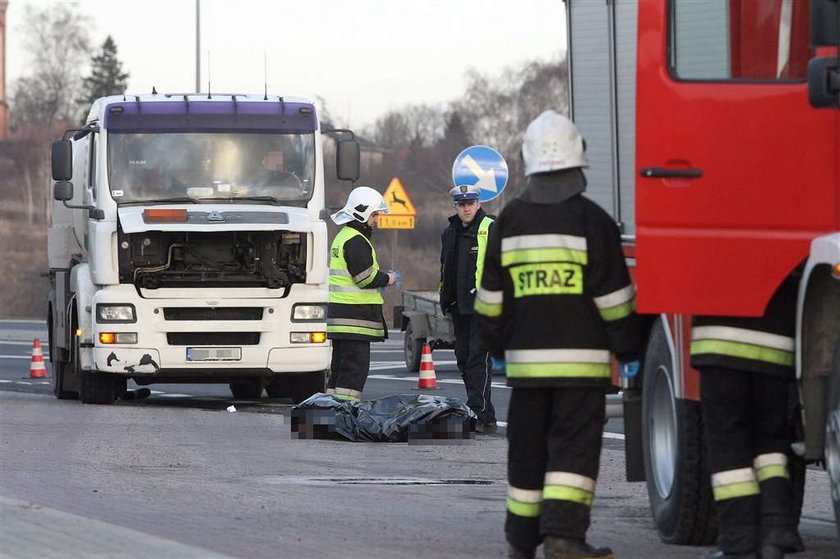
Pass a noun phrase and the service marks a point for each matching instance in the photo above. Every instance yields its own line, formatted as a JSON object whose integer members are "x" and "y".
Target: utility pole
{"x": 198, "y": 46}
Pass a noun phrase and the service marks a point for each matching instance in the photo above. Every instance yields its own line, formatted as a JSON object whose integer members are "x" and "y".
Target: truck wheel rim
{"x": 663, "y": 429}
{"x": 832, "y": 451}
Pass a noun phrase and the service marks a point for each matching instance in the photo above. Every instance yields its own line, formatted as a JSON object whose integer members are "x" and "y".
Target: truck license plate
{"x": 214, "y": 353}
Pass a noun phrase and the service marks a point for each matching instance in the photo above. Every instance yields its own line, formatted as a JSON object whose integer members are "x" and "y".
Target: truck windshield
{"x": 157, "y": 167}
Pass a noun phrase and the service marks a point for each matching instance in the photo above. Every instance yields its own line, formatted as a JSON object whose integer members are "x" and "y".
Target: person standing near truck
{"x": 555, "y": 300}
{"x": 463, "y": 244}
{"x": 746, "y": 372}
{"x": 354, "y": 313}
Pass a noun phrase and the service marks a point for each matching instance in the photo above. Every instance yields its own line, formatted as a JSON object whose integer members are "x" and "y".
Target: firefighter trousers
{"x": 554, "y": 437}
{"x": 349, "y": 368}
{"x": 473, "y": 362}
{"x": 748, "y": 434}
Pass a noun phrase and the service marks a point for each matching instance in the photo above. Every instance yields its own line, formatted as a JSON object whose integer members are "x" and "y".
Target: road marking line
{"x": 7, "y": 342}
{"x": 19, "y": 356}
{"x": 176, "y": 395}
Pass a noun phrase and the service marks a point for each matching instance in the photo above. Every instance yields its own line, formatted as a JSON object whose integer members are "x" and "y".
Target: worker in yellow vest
{"x": 354, "y": 314}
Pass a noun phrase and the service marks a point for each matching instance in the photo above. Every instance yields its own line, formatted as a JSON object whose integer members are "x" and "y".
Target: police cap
{"x": 464, "y": 192}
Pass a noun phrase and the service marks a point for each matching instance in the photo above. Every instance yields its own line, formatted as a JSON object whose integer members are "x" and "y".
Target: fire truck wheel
{"x": 413, "y": 349}
{"x": 832, "y": 435}
{"x": 60, "y": 368}
{"x": 246, "y": 389}
{"x": 307, "y": 384}
{"x": 677, "y": 478}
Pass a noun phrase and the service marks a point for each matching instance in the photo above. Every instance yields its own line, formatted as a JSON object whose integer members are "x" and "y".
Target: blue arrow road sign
{"x": 483, "y": 167}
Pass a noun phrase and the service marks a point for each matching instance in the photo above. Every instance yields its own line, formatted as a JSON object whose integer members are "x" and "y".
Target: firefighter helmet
{"x": 361, "y": 203}
{"x": 552, "y": 143}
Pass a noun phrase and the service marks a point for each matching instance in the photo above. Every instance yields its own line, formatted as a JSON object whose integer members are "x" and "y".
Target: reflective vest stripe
{"x": 548, "y": 370}
{"x": 343, "y": 288}
{"x": 483, "y": 234}
{"x": 489, "y": 303}
{"x": 370, "y": 332}
{"x": 557, "y": 355}
{"x": 368, "y": 275}
{"x": 618, "y": 304}
{"x": 743, "y": 351}
{"x": 564, "y": 493}
{"x": 548, "y": 240}
{"x": 531, "y": 255}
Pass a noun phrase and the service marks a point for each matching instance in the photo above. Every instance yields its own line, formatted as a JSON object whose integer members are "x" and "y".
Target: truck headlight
{"x": 115, "y": 313}
{"x": 315, "y": 313}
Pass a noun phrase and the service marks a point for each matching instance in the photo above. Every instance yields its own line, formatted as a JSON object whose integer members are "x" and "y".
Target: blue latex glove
{"x": 497, "y": 364}
{"x": 398, "y": 276}
{"x": 629, "y": 369}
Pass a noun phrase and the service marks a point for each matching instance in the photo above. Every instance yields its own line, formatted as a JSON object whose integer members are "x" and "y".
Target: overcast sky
{"x": 364, "y": 57}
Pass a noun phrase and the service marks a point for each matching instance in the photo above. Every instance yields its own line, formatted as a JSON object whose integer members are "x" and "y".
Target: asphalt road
{"x": 178, "y": 476}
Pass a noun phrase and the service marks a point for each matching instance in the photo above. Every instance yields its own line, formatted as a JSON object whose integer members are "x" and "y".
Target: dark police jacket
{"x": 458, "y": 262}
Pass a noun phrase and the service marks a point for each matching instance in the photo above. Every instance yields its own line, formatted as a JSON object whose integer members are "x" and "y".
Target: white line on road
{"x": 20, "y": 356}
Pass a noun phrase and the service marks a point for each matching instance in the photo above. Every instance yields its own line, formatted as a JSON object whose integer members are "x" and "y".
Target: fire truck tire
{"x": 60, "y": 367}
{"x": 413, "y": 349}
{"x": 677, "y": 477}
{"x": 307, "y": 384}
{"x": 832, "y": 435}
{"x": 246, "y": 389}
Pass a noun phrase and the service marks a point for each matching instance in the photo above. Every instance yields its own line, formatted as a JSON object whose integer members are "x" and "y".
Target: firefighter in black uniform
{"x": 354, "y": 314}
{"x": 555, "y": 300}
{"x": 746, "y": 370}
{"x": 463, "y": 245}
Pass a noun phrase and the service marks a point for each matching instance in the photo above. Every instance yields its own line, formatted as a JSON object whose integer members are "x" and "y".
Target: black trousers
{"x": 746, "y": 416}
{"x": 349, "y": 367}
{"x": 554, "y": 431}
{"x": 474, "y": 364}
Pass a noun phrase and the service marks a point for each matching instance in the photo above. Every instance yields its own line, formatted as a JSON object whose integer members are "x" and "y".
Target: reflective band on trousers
{"x": 370, "y": 332}
{"x": 524, "y": 502}
{"x": 524, "y": 249}
{"x": 344, "y": 393}
{"x": 566, "y": 486}
{"x": 543, "y": 363}
{"x": 771, "y": 465}
{"x": 734, "y": 483}
{"x": 489, "y": 303}
{"x": 743, "y": 343}
{"x": 618, "y": 304}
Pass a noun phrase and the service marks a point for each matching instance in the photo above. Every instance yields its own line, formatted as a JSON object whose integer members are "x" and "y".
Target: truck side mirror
{"x": 824, "y": 26}
{"x": 62, "y": 161}
{"x": 347, "y": 159}
{"x": 823, "y": 82}
{"x": 63, "y": 191}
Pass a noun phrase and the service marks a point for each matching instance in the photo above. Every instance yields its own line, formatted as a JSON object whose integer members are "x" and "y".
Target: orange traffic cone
{"x": 427, "y": 377}
{"x": 36, "y": 365}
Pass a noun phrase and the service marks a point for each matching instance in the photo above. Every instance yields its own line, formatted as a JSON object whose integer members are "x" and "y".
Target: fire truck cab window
{"x": 718, "y": 40}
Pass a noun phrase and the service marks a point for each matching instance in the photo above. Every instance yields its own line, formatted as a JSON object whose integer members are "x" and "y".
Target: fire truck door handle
{"x": 666, "y": 173}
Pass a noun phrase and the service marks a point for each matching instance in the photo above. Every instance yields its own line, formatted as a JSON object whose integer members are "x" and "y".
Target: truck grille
{"x": 213, "y": 313}
{"x": 213, "y": 338}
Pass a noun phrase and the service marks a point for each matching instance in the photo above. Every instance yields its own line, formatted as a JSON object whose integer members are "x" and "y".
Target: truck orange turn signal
{"x": 106, "y": 337}
{"x": 837, "y": 270}
{"x": 163, "y": 215}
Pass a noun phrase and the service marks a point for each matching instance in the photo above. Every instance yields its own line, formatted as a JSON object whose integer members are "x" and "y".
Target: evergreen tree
{"x": 106, "y": 77}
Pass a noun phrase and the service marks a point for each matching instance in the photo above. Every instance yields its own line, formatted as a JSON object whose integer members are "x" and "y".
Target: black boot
{"x": 770, "y": 551}
{"x": 566, "y": 548}
{"x": 785, "y": 539}
{"x": 520, "y": 553}
{"x": 718, "y": 554}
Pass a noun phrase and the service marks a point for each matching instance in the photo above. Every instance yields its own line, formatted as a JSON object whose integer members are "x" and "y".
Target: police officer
{"x": 354, "y": 314}
{"x": 555, "y": 300}
{"x": 746, "y": 373}
{"x": 463, "y": 244}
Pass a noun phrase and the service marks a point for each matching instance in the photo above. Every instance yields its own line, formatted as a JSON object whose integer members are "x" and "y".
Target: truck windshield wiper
{"x": 271, "y": 199}
{"x": 176, "y": 200}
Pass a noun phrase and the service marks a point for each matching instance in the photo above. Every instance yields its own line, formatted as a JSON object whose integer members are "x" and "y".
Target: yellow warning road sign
{"x": 387, "y": 221}
{"x": 397, "y": 199}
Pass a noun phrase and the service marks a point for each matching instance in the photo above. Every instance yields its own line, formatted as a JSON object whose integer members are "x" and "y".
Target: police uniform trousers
{"x": 474, "y": 364}
{"x": 554, "y": 437}
{"x": 349, "y": 367}
{"x": 748, "y": 435}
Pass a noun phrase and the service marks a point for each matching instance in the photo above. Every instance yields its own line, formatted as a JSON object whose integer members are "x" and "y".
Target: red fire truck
{"x": 713, "y": 133}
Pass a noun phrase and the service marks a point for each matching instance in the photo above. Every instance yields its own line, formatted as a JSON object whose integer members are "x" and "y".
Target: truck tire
{"x": 675, "y": 464}
{"x": 279, "y": 387}
{"x": 246, "y": 389}
{"x": 307, "y": 384}
{"x": 60, "y": 368}
{"x": 413, "y": 349}
{"x": 832, "y": 435}
{"x": 97, "y": 388}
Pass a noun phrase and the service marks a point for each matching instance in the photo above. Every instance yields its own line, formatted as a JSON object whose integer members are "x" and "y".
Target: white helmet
{"x": 362, "y": 201}
{"x": 552, "y": 142}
